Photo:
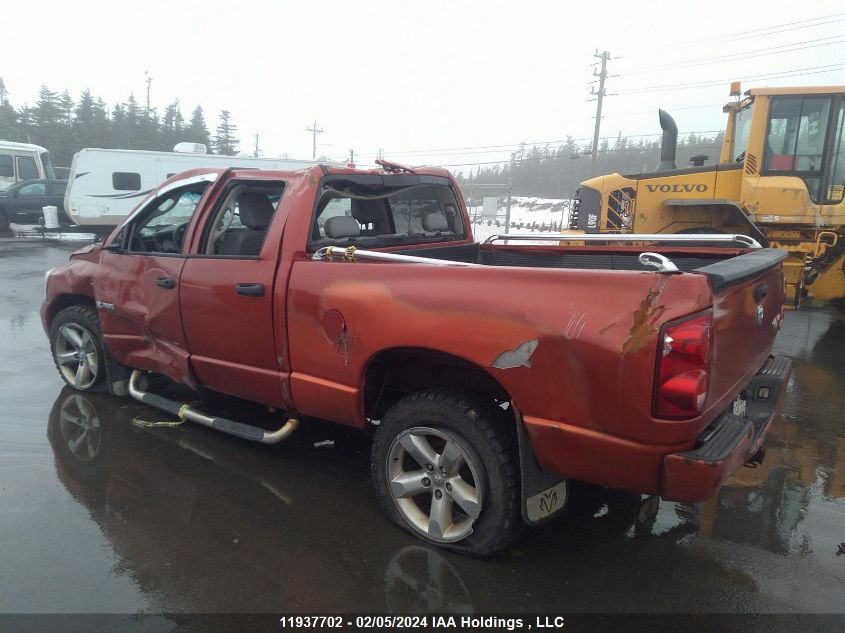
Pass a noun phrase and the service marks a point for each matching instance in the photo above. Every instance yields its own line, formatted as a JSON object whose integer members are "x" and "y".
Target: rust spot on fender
{"x": 344, "y": 344}
{"x": 645, "y": 318}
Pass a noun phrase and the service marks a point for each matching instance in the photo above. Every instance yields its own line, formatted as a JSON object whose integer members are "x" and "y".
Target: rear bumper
{"x": 728, "y": 443}
{"x": 676, "y": 472}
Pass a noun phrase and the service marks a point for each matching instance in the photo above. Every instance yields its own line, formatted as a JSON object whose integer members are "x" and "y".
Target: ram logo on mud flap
{"x": 688, "y": 188}
{"x": 548, "y": 501}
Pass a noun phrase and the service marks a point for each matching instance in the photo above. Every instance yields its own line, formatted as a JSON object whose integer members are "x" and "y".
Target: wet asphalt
{"x": 98, "y": 515}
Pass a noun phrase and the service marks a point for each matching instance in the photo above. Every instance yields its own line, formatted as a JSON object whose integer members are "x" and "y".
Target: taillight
{"x": 683, "y": 367}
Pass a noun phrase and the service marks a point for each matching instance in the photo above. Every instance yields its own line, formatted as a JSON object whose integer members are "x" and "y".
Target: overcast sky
{"x": 422, "y": 80}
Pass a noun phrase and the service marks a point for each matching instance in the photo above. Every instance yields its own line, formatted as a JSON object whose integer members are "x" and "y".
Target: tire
{"x": 77, "y": 347}
{"x": 470, "y": 471}
{"x": 4, "y": 220}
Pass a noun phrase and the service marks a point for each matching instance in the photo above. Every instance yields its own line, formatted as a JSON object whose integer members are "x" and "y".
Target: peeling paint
{"x": 519, "y": 357}
{"x": 645, "y": 318}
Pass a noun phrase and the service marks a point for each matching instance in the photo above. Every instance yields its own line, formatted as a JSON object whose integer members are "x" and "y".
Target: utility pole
{"x": 351, "y": 157}
{"x": 508, "y": 207}
{"x": 599, "y": 94}
{"x": 255, "y": 152}
{"x": 149, "y": 80}
{"x": 314, "y": 132}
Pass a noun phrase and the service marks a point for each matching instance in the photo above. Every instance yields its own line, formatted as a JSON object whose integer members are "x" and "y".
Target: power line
{"x": 515, "y": 146}
{"x": 625, "y": 149}
{"x": 702, "y": 84}
{"x": 787, "y": 26}
{"x": 798, "y": 72}
{"x": 760, "y": 52}
{"x": 761, "y": 32}
{"x": 777, "y": 32}
{"x": 673, "y": 109}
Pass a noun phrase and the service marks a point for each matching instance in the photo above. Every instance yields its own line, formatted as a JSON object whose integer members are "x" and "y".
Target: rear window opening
{"x": 352, "y": 213}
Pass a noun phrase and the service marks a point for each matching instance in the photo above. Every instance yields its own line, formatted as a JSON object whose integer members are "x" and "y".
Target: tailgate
{"x": 748, "y": 296}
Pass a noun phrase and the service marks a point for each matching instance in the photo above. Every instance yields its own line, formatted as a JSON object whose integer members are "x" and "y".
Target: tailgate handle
{"x": 760, "y": 292}
{"x": 250, "y": 290}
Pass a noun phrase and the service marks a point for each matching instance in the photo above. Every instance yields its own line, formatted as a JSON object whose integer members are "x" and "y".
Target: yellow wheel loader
{"x": 780, "y": 179}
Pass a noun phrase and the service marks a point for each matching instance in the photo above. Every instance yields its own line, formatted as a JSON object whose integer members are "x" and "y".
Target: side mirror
{"x": 114, "y": 247}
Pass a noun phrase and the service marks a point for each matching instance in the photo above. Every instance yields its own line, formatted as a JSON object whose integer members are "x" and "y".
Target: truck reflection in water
{"x": 208, "y": 523}
{"x": 172, "y": 499}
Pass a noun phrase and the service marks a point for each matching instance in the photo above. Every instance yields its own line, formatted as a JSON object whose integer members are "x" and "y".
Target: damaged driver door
{"x": 137, "y": 290}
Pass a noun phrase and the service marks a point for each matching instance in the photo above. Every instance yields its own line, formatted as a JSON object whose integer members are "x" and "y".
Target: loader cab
{"x": 793, "y": 144}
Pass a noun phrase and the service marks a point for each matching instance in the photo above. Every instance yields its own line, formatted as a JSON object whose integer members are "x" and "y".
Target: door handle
{"x": 250, "y": 290}
{"x": 166, "y": 282}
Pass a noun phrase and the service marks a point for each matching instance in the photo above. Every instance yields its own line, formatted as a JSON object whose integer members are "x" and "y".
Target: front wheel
{"x": 444, "y": 468}
{"x": 78, "y": 348}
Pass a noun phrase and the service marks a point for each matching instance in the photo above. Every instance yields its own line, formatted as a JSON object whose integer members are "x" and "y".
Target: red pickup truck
{"x": 490, "y": 374}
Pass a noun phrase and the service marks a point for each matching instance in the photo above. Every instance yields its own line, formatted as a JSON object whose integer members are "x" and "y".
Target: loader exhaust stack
{"x": 669, "y": 143}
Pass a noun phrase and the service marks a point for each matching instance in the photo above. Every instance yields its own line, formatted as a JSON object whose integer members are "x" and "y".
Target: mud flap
{"x": 117, "y": 375}
{"x": 544, "y": 494}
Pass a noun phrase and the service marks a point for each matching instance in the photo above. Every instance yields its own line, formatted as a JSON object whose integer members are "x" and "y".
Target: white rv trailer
{"x": 23, "y": 161}
{"x": 106, "y": 184}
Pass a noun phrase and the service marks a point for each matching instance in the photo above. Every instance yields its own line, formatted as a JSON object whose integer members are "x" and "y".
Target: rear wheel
{"x": 444, "y": 468}
{"x": 78, "y": 348}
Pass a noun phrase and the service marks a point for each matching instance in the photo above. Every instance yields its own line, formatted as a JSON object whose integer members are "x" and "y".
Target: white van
{"x": 106, "y": 184}
{"x": 23, "y": 161}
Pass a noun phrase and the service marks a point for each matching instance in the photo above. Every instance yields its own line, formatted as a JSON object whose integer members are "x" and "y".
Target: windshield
{"x": 742, "y": 127}
{"x": 382, "y": 215}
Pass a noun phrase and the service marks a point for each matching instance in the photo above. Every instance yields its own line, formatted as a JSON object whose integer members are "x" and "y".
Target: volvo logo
{"x": 688, "y": 188}
{"x": 759, "y": 315}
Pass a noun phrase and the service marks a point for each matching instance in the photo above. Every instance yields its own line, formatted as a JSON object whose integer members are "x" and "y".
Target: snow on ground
{"x": 527, "y": 215}
{"x": 29, "y": 230}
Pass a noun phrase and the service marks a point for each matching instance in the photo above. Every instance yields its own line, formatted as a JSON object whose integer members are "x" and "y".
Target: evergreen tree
{"x": 196, "y": 131}
{"x": 171, "y": 116}
{"x": 66, "y": 107}
{"x": 85, "y": 126}
{"x": 8, "y": 116}
{"x": 225, "y": 141}
{"x": 172, "y": 125}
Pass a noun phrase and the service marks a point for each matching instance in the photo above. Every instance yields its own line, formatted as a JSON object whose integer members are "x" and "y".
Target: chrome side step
{"x": 184, "y": 412}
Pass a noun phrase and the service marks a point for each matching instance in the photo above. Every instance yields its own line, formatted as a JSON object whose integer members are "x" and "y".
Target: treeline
{"x": 555, "y": 172}
{"x": 65, "y": 126}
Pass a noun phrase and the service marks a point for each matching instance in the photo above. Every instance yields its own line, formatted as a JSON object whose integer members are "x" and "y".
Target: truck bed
{"x": 687, "y": 259}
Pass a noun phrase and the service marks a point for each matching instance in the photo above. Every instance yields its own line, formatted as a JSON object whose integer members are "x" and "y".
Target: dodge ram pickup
{"x": 490, "y": 374}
